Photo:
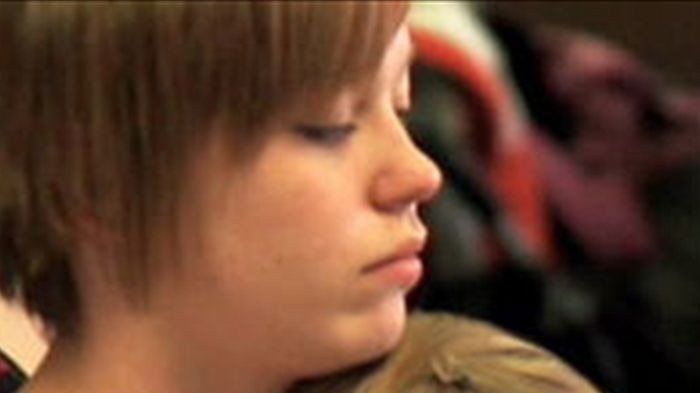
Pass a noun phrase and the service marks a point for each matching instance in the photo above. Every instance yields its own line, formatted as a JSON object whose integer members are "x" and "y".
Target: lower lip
{"x": 404, "y": 272}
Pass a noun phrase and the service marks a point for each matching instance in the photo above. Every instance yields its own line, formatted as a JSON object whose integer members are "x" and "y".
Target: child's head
{"x": 102, "y": 104}
{"x": 240, "y": 165}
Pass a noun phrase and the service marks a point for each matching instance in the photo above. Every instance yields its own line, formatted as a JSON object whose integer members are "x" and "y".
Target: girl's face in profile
{"x": 311, "y": 245}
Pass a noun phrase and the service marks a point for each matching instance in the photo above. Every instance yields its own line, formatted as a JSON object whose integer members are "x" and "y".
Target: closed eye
{"x": 326, "y": 135}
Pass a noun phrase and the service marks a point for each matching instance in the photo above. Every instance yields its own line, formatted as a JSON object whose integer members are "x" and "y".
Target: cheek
{"x": 283, "y": 244}
{"x": 298, "y": 224}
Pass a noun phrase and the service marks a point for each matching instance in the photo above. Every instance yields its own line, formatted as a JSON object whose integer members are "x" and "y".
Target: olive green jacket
{"x": 441, "y": 353}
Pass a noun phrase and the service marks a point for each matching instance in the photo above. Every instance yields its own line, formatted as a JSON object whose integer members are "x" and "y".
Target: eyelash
{"x": 335, "y": 135}
{"x": 329, "y": 136}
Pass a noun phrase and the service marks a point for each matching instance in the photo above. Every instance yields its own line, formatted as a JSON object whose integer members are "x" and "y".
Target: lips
{"x": 409, "y": 249}
{"x": 402, "y": 267}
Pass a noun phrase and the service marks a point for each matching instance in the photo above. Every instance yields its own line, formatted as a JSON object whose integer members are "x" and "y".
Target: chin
{"x": 386, "y": 328}
{"x": 361, "y": 337}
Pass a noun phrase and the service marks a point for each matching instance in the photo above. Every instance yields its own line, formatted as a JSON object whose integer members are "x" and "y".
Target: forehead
{"x": 396, "y": 60}
{"x": 390, "y": 77}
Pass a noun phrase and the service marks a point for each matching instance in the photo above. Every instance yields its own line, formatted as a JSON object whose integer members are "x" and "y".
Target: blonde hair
{"x": 445, "y": 353}
{"x": 101, "y": 103}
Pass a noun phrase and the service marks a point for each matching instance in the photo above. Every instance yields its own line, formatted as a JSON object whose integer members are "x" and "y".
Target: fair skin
{"x": 280, "y": 282}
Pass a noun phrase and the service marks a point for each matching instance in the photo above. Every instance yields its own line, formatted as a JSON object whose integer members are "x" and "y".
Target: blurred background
{"x": 663, "y": 33}
{"x": 569, "y": 135}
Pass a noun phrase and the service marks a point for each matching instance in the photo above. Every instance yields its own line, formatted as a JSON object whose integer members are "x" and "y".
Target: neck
{"x": 138, "y": 356}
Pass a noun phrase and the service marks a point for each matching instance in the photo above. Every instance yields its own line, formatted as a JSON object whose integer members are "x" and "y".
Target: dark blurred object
{"x": 662, "y": 32}
{"x": 11, "y": 377}
{"x": 621, "y": 159}
{"x": 554, "y": 231}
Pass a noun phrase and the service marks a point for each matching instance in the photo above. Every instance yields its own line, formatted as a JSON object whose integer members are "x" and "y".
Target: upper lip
{"x": 407, "y": 249}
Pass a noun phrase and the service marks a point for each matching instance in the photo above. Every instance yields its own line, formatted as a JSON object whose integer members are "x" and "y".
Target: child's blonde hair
{"x": 441, "y": 353}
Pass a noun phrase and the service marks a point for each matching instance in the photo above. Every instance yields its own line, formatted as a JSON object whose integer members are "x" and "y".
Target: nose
{"x": 407, "y": 177}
